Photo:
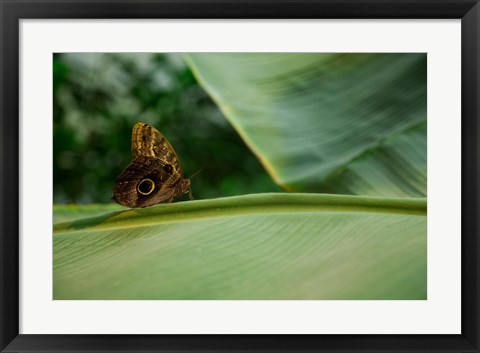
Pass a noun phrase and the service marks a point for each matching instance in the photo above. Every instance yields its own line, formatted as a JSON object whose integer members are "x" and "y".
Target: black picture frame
{"x": 13, "y": 11}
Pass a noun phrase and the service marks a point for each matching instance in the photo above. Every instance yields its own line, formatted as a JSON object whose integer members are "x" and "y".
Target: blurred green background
{"x": 99, "y": 97}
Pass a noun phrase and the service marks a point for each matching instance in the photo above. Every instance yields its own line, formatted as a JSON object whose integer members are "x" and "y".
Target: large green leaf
{"x": 63, "y": 213}
{"x": 266, "y": 246}
{"x": 336, "y": 123}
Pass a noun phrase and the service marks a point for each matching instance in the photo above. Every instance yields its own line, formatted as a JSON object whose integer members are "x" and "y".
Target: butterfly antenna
{"x": 190, "y": 189}
{"x": 196, "y": 173}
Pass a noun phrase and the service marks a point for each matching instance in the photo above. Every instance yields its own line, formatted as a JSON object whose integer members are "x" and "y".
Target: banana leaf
{"x": 330, "y": 123}
{"x": 262, "y": 246}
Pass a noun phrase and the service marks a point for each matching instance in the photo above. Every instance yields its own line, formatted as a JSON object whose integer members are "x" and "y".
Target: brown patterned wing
{"x": 148, "y": 141}
{"x": 146, "y": 182}
{"x": 154, "y": 175}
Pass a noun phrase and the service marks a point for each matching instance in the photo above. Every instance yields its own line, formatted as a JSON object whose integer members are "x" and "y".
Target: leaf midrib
{"x": 273, "y": 203}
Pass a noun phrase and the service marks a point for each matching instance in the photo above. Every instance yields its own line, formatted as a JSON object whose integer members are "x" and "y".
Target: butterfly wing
{"x": 161, "y": 183}
{"x": 154, "y": 175}
{"x": 148, "y": 141}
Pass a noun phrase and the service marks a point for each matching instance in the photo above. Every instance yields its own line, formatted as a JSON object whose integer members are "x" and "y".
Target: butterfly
{"x": 154, "y": 174}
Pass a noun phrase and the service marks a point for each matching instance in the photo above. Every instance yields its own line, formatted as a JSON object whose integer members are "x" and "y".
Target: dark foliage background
{"x": 99, "y": 97}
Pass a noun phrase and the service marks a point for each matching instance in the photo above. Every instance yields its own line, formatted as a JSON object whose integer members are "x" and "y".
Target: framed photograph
{"x": 239, "y": 176}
